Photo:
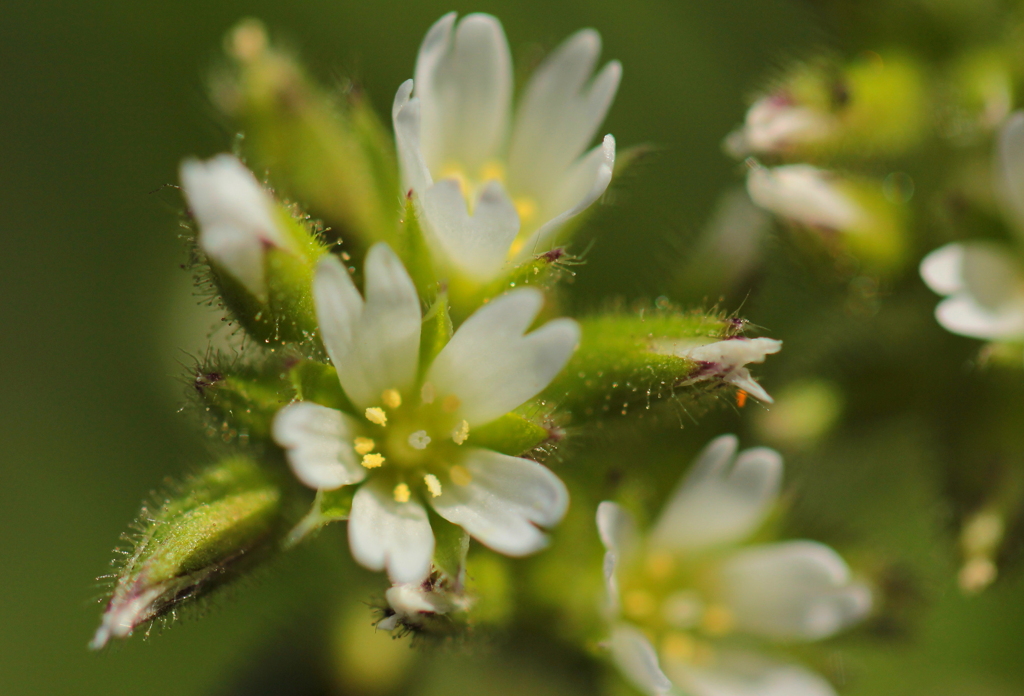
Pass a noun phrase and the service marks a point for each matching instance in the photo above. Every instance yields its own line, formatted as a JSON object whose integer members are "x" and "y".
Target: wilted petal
{"x": 637, "y": 660}
{"x": 560, "y": 114}
{"x": 725, "y": 360}
{"x": 385, "y": 534}
{"x": 804, "y": 194}
{"x": 491, "y": 367}
{"x": 477, "y": 244}
{"x": 464, "y": 84}
{"x": 318, "y": 443}
{"x": 986, "y": 287}
{"x": 723, "y": 499}
{"x": 746, "y": 674}
{"x": 618, "y": 532}
{"x": 505, "y": 500}
{"x": 582, "y": 185}
{"x": 1009, "y": 166}
{"x": 374, "y": 345}
{"x": 405, "y": 115}
{"x": 235, "y": 217}
{"x": 792, "y": 590}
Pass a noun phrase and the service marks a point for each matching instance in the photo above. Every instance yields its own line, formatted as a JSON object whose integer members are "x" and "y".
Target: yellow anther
{"x": 461, "y": 433}
{"x": 402, "y": 493}
{"x": 376, "y": 415}
{"x": 638, "y": 604}
{"x": 433, "y": 485}
{"x": 492, "y": 170}
{"x": 450, "y": 404}
{"x": 427, "y": 393}
{"x": 391, "y": 398}
{"x": 679, "y": 647}
{"x": 372, "y": 461}
{"x": 660, "y": 565}
{"x": 460, "y": 476}
{"x": 363, "y": 445}
{"x": 527, "y": 209}
{"x": 717, "y": 620}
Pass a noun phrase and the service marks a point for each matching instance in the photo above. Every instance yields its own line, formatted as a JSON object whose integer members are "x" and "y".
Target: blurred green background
{"x": 100, "y": 102}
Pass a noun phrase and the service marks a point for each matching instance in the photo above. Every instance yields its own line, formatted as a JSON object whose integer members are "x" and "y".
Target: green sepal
{"x": 616, "y": 368}
{"x": 334, "y": 157}
{"x": 329, "y": 506}
{"x": 318, "y": 382}
{"x": 451, "y": 544}
{"x": 411, "y": 246}
{"x": 511, "y": 434}
{"x": 436, "y": 331}
{"x": 217, "y": 525}
{"x": 240, "y": 402}
{"x": 285, "y": 313}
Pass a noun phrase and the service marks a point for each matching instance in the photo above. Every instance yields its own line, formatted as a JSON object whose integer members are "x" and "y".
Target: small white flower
{"x": 984, "y": 280}
{"x": 776, "y": 123}
{"x": 414, "y": 444}
{"x": 806, "y": 195}
{"x": 668, "y": 623}
{"x": 725, "y": 360}
{"x": 235, "y": 217}
{"x": 493, "y": 187}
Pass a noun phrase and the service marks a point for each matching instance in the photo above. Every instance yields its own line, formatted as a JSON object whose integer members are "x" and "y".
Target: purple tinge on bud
{"x": 725, "y": 360}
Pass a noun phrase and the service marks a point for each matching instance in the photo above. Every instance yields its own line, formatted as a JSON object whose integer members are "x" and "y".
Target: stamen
{"x": 402, "y": 493}
{"x": 373, "y": 461}
{"x": 419, "y": 440}
{"x": 427, "y": 393}
{"x": 679, "y": 646}
{"x": 491, "y": 171}
{"x": 391, "y": 398}
{"x": 717, "y": 620}
{"x": 460, "y": 476}
{"x": 376, "y": 415}
{"x": 461, "y": 433}
{"x": 450, "y": 404}
{"x": 363, "y": 445}
{"x": 433, "y": 485}
{"x": 527, "y": 208}
{"x": 638, "y": 604}
{"x": 660, "y": 565}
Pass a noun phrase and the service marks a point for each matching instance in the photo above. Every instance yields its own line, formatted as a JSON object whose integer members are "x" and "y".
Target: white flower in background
{"x": 776, "y": 123}
{"x": 984, "y": 280}
{"x": 725, "y": 360}
{"x": 492, "y": 187}
{"x": 807, "y": 195}
{"x": 680, "y": 598}
{"x": 413, "y": 443}
{"x": 236, "y": 218}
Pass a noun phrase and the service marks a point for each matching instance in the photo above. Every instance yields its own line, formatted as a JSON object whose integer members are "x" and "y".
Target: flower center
{"x": 492, "y": 170}
{"x": 415, "y": 443}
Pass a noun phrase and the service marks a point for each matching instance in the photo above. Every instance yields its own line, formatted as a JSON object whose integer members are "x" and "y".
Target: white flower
{"x": 725, "y": 360}
{"x": 776, "y": 123}
{"x": 983, "y": 280}
{"x": 807, "y": 195}
{"x": 411, "y": 446}
{"x": 678, "y": 593}
{"x": 235, "y": 217}
{"x": 492, "y": 187}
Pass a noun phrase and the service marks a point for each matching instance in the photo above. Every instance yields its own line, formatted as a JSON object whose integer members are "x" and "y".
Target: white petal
{"x": 774, "y": 124}
{"x": 738, "y": 673}
{"x": 1009, "y": 164}
{"x": 725, "y": 360}
{"x": 637, "y": 660}
{"x": 987, "y": 288}
{"x": 559, "y": 115}
{"x": 503, "y": 502}
{"x": 492, "y": 367}
{"x": 405, "y": 115}
{"x": 792, "y": 590}
{"x": 385, "y": 534}
{"x": 235, "y": 217}
{"x": 618, "y": 532}
{"x": 373, "y": 345}
{"x": 722, "y": 500}
{"x": 464, "y": 83}
{"x": 804, "y": 194}
{"x": 477, "y": 245}
{"x": 582, "y": 185}
{"x": 318, "y": 444}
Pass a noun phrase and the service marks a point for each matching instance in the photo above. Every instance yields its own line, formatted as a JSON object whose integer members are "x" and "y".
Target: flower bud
{"x": 217, "y": 525}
